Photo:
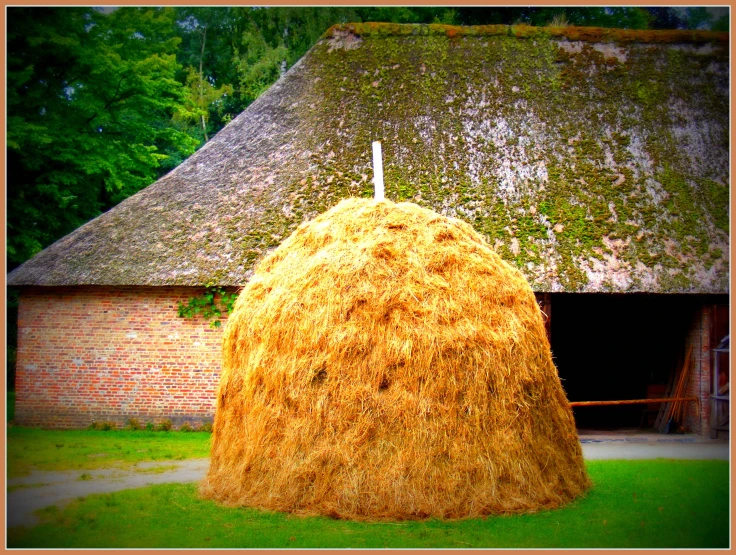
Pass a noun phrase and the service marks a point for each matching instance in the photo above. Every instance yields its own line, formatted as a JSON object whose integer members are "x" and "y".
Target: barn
{"x": 594, "y": 160}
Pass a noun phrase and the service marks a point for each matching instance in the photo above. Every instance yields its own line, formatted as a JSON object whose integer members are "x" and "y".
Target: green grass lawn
{"x": 633, "y": 504}
{"x": 32, "y": 448}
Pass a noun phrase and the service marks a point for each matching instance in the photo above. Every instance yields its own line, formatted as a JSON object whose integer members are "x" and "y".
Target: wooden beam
{"x": 629, "y": 402}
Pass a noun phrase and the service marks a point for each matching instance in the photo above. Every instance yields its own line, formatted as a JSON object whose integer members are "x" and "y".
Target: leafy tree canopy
{"x": 89, "y": 101}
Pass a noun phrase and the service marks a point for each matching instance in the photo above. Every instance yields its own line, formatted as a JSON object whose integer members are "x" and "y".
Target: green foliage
{"x": 721, "y": 24}
{"x": 89, "y": 101}
{"x": 211, "y": 304}
{"x": 696, "y": 17}
{"x": 134, "y": 424}
{"x": 599, "y": 16}
{"x": 208, "y": 38}
{"x": 205, "y": 54}
{"x": 201, "y": 97}
{"x": 259, "y": 64}
{"x": 164, "y": 425}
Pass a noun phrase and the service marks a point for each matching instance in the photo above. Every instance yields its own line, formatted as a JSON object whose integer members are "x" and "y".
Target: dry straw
{"x": 384, "y": 362}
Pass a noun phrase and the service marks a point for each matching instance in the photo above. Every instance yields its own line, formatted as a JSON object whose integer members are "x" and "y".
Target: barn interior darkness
{"x": 617, "y": 347}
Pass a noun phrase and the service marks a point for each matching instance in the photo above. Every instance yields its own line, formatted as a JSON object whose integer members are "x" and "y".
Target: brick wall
{"x": 113, "y": 353}
{"x": 699, "y": 385}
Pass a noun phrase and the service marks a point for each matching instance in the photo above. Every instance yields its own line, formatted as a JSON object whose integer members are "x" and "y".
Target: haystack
{"x": 384, "y": 362}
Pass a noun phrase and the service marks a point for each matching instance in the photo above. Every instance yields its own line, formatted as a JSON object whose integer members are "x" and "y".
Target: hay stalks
{"x": 384, "y": 362}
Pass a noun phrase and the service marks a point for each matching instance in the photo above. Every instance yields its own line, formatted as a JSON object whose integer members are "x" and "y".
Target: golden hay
{"x": 384, "y": 362}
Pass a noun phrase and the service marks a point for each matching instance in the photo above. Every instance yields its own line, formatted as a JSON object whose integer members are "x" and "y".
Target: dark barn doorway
{"x": 617, "y": 347}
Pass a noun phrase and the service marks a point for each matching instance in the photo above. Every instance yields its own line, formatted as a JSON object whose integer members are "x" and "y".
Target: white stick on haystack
{"x": 377, "y": 171}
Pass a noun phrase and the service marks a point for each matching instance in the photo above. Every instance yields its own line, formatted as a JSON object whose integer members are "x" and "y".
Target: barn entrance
{"x": 617, "y": 347}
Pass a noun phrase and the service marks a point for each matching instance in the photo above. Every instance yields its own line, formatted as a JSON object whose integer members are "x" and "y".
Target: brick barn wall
{"x": 703, "y": 337}
{"x": 698, "y": 338}
{"x": 101, "y": 354}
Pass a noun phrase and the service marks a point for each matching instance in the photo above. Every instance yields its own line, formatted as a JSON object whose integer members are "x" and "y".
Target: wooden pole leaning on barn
{"x": 673, "y": 409}
{"x": 631, "y": 402}
{"x": 668, "y": 417}
{"x": 668, "y": 393}
{"x": 677, "y": 410}
{"x": 378, "y": 171}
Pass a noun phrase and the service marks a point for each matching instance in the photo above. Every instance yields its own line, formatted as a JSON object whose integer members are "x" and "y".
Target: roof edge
{"x": 586, "y": 34}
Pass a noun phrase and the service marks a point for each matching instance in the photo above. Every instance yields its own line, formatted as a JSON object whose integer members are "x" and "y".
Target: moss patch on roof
{"x": 570, "y": 32}
{"x": 592, "y": 164}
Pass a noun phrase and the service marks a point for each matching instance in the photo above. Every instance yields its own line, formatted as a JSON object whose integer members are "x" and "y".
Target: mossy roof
{"x": 595, "y": 160}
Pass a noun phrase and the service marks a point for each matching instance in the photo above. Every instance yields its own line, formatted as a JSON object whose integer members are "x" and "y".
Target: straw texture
{"x": 384, "y": 362}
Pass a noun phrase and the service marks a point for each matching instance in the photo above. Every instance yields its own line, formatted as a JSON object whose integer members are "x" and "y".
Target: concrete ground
{"x": 642, "y": 444}
{"x": 30, "y": 493}
{"x": 42, "y": 489}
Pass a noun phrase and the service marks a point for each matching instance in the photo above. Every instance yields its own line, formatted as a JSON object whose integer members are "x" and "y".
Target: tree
{"x": 258, "y": 63}
{"x": 697, "y": 18}
{"x": 202, "y": 97}
{"x": 665, "y": 18}
{"x": 413, "y": 14}
{"x": 721, "y": 24}
{"x": 208, "y": 38}
{"x": 246, "y": 48}
{"x": 273, "y": 39}
{"x": 596, "y": 16}
{"x": 89, "y": 101}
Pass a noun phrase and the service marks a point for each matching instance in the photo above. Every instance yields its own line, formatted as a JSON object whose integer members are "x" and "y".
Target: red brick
{"x": 77, "y": 364}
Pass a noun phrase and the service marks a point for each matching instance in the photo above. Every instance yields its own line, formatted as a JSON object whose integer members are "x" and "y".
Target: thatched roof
{"x": 593, "y": 160}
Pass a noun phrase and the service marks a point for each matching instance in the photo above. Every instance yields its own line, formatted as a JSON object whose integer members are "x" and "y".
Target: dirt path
{"x": 42, "y": 489}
